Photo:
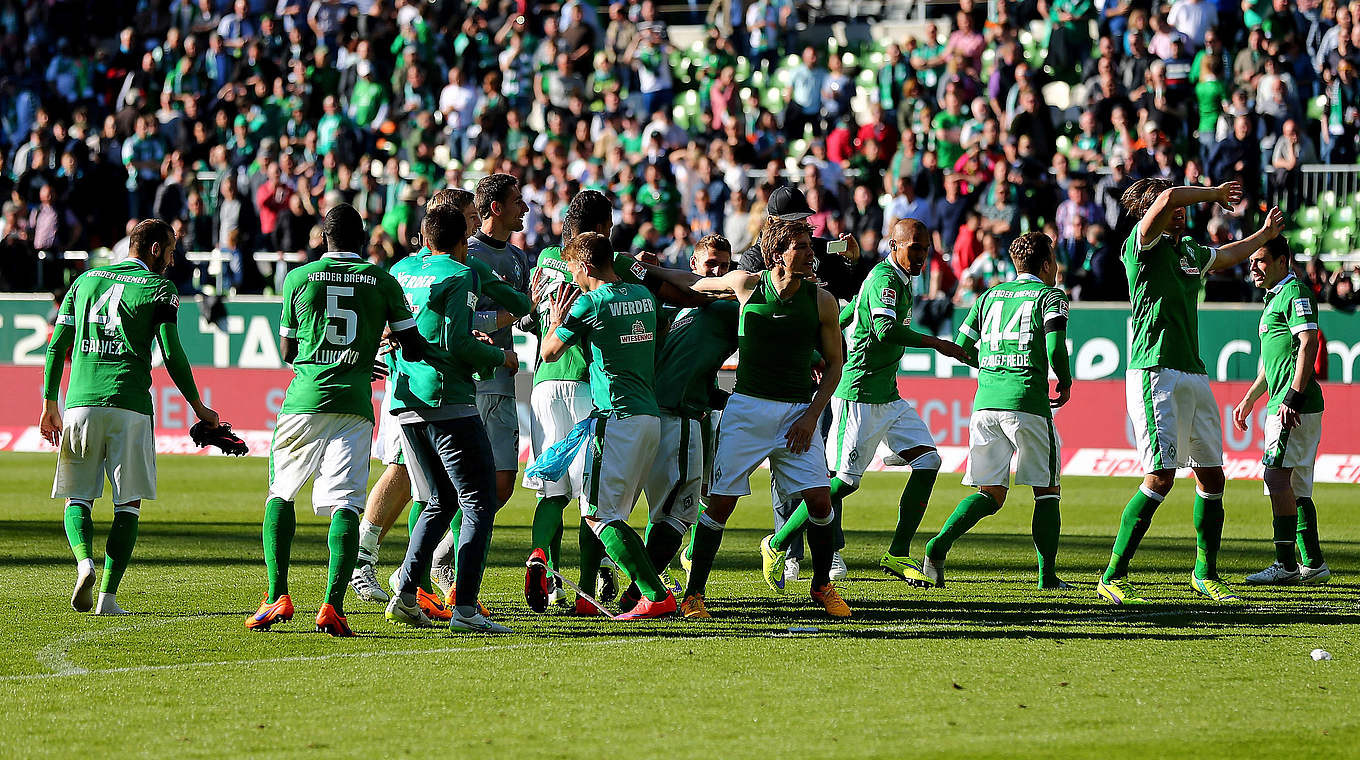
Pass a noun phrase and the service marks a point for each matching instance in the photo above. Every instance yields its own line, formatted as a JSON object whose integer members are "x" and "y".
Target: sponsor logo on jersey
{"x": 639, "y": 271}
{"x": 1188, "y": 266}
{"x": 889, "y": 297}
{"x": 639, "y": 334}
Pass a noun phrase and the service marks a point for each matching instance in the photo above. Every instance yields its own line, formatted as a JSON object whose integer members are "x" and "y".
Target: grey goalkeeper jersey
{"x": 512, "y": 264}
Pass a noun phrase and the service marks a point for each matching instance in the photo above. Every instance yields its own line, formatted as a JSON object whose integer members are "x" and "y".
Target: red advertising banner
{"x": 1096, "y": 434}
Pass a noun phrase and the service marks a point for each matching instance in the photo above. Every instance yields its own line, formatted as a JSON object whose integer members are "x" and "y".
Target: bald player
{"x": 867, "y": 408}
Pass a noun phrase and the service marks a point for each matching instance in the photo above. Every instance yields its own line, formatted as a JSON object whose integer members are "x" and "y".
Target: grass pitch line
{"x": 53, "y": 656}
{"x": 77, "y": 671}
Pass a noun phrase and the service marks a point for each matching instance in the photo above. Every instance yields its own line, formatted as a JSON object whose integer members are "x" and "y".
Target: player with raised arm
{"x": 697, "y": 341}
{"x": 1175, "y": 418}
{"x": 868, "y": 408}
{"x": 773, "y": 415}
{"x": 1016, "y": 332}
{"x": 617, "y": 320}
{"x": 449, "y": 455}
{"x": 334, "y": 314}
{"x": 107, "y": 323}
{"x": 1293, "y": 421}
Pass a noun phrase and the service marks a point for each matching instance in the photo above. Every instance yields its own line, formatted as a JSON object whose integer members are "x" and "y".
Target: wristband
{"x": 1293, "y": 399}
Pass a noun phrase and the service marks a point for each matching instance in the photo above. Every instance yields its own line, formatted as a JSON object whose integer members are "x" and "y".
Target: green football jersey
{"x": 443, "y": 294}
{"x": 876, "y": 336}
{"x": 336, "y": 309}
{"x": 571, "y": 365}
{"x": 696, "y": 344}
{"x": 776, "y": 340}
{"x": 116, "y": 312}
{"x": 1165, "y": 280}
{"x": 618, "y": 321}
{"x": 1290, "y": 310}
{"x": 1008, "y": 325}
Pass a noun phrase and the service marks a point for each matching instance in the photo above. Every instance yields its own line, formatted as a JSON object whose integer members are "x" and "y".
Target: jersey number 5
{"x": 1018, "y": 328}
{"x": 341, "y": 334}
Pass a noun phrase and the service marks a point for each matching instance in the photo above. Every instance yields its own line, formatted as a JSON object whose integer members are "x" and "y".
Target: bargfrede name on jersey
{"x": 323, "y": 275}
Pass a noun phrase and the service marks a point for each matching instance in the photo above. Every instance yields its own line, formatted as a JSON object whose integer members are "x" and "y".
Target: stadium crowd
{"x": 240, "y": 122}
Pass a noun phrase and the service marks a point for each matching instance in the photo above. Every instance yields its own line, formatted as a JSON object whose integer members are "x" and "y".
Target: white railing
{"x": 214, "y": 259}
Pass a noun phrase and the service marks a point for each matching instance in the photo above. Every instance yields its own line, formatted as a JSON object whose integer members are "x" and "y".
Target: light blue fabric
{"x": 553, "y": 463}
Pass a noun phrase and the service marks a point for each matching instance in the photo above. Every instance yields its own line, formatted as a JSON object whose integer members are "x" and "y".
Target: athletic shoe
{"x": 443, "y": 578}
{"x": 278, "y": 611}
{"x": 364, "y": 581}
{"x": 933, "y": 571}
{"x": 629, "y": 599}
{"x": 559, "y": 595}
{"x": 536, "y": 581}
{"x": 392, "y": 582}
{"x": 107, "y": 605}
{"x": 82, "y": 598}
{"x": 1119, "y": 591}
{"x": 407, "y": 614}
{"x": 451, "y": 601}
{"x": 772, "y": 564}
{"x": 1055, "y": 584}
{"x": 839, "y": 571}
{"x": 904, "y": 568}
{"x": 831, "y": 601}
{"x": 646, "y": 609}
{"x": 791, "y": 570}
{"x": 475, "y": 622}
{"x": 608, "y": 586}
{"x": 431, "y": 604}
{"x": 1213, "y": 588}
{"x": 671, "y": 584}
{"x": 1275, "y": 575}
{"x": 586, "y": 609}
{"x": 332, "y": 622}
{"x": 1314, "y": 576}
{"x": 693, "y": 608}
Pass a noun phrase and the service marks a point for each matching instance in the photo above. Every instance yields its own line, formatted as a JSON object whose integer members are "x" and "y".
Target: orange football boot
{"x": 278, "y": 611}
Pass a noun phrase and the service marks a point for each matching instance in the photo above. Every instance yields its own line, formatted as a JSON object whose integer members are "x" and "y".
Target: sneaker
{"x": 1314, "y": 576}
{"x": 364, "y": 581}
{"x": 1119, "y": 591}
{"x": 1275, "y": 575}
{"x": 432, "y": 605}
{"x": 584, "y": 608}
{"x": 608, "y": 587}
{"x": 443, "y": 578}
{"x": 772, "y": 564}
{"x": 904, "y": 568}
{"x": 278, "y": 611}
{"x": 332, "y": 622}
{"x": 646, "y": 609}
{"x": 107, "y": 605}
{"x": 693, "y": 607}
{"x": 559, "y": 595}
{"x": 1054, "y": 584}
{"x": 831, "y": 601}
{"x": 536, "y": 581}
{"x": 1213, "y": 588}
{"x": 839, "y": 571}
{"x": 82, "y": 597}
{"x": 933, "y": 571}
{"x": 476, "y": 622}
{"x": 407, "y": 614}
{"x": 791, "y": 570}
{"x": 671, "y": 584}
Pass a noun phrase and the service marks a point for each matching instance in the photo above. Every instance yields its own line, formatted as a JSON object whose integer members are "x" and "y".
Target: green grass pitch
{"x": 988, "y": 667}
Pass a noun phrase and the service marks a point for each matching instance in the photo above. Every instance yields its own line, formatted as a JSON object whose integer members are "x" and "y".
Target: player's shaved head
{"x": 909, "y": 245}
{"x": 344, "y": 229}
{"x": 152, "y": 242}
{"x": 589, "y": 211}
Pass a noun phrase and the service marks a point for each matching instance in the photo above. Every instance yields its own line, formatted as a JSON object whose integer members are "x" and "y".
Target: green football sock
{"x": 416, "y": 508}
{"x": 80, "y": 529}
{"x": 663, "y": 542}
{"x": 344, "y": 545}
{"x": 799, "y": 519}
{"x": 1283, "y": 527}
{"x": 456, "y": 530}
{"x": 1133, "y": 525}
{"x": 910, "y": 509}
{"x": 555, "y": 547}
{"x": 689, "y": 548}
{"x": 966, "y": 515}
{"x": 118, "y": 550}
{"x": 1208, "y": 534}
{"x": 707, "y": 538}
{"x": 547, "y": 522}
{"x": 1046, "y": 527}
{"x": 625, "y": 547}
{"x": 280, "y": 522}
{"x": 1309, "y": 548}
{"x": 592, "y": 553}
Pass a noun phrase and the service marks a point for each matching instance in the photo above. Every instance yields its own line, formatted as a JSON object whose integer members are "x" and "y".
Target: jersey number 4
{"x": 104, "y": 310}
{"x": 1018, "y": 328}
{"x": 341, "y": 324}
